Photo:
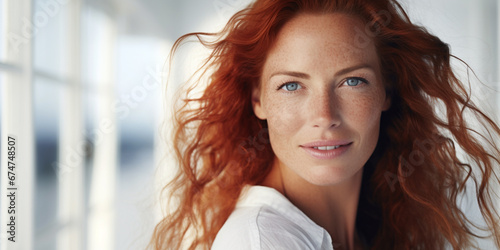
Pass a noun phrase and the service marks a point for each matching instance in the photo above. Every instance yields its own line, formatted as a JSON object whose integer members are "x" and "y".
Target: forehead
{"x": 331, "y": 40}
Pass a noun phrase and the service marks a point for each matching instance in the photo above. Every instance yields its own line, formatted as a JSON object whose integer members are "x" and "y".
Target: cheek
{"x": 284, "y": 117}
{"x": 363, "y": 110}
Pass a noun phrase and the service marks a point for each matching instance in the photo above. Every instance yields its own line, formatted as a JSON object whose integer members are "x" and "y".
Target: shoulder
{"x": 261, "y": 226}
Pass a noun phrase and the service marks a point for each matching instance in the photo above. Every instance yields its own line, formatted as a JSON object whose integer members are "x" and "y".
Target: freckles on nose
{"x": 322, "y": 109}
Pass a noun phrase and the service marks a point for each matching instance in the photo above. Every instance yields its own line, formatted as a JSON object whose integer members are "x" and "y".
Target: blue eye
{"x": 354, "y": 81}
{"x": 291, "y": 86}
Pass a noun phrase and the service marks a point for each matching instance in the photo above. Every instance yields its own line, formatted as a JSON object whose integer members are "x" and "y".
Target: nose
{"x": 324, "y": 109}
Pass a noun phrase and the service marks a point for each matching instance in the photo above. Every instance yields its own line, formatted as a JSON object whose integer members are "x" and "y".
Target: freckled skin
{"x": 323, "y": 107}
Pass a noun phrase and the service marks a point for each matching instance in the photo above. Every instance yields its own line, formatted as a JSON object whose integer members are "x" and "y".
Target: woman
{"x": 318, "y": 130}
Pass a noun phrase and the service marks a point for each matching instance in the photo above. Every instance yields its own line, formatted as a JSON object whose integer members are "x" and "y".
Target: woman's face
{"x": 322, "y": 97}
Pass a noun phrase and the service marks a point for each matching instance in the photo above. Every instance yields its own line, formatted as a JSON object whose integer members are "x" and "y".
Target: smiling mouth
{"x": 327, "y": 152}
{"x": 327, "y": 147}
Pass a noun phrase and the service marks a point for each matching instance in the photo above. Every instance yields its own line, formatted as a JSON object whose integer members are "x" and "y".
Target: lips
{"x": 326, "y": 143}
{"x": 326, "y": 149}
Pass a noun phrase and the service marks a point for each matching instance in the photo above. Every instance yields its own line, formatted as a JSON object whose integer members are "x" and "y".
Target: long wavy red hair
{"x": 414, "y": 179}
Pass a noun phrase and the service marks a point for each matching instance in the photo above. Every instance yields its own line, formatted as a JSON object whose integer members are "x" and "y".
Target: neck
{"x": 332, "y": 207}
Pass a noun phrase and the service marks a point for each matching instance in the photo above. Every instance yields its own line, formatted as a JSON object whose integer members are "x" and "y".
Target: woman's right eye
{"x": 290, "y": 86}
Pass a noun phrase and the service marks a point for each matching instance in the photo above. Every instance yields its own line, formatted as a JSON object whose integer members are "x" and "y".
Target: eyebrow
{"x": 291, "y": 73}
{"x": 306, "y": 76}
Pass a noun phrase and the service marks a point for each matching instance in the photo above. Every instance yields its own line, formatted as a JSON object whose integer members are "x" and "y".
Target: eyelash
{"x": 363, "y": 80}
{"x": 286, "y": 83}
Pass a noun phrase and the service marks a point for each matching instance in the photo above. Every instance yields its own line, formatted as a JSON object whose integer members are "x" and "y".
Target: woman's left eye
{"x": 291, "y": 86}
{"x": 354, "y": 81}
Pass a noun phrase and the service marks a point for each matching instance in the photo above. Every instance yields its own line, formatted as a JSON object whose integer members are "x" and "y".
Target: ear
{"x": 387, "y": 102}
{"x": 257, "y": 104}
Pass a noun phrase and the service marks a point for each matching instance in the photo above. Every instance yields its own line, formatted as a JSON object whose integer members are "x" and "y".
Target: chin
{"x": 331, "y": 177}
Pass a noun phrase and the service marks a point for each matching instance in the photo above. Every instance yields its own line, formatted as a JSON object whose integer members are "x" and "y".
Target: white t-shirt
{"x": 264, "y": 219}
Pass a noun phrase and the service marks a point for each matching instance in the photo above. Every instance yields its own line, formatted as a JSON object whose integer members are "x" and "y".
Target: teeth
{"x": 327, "y": 147}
